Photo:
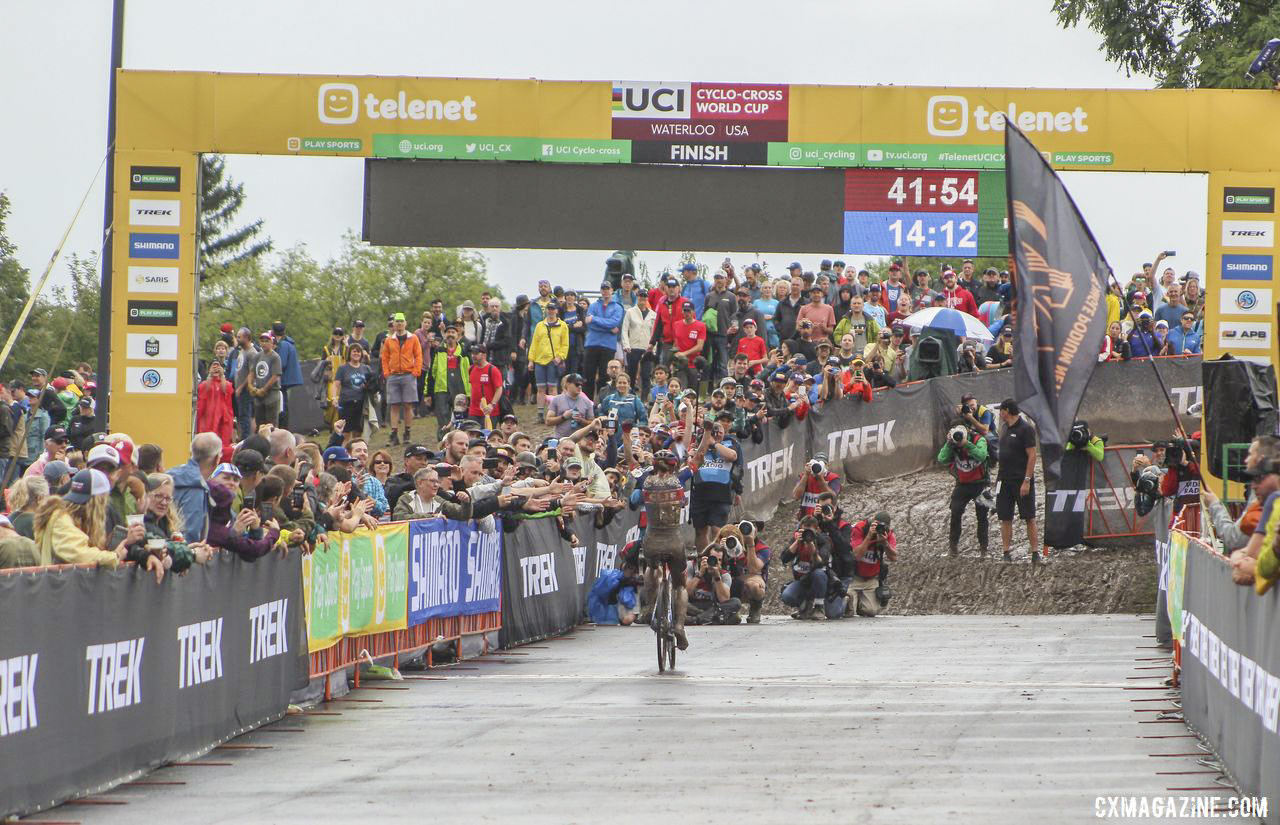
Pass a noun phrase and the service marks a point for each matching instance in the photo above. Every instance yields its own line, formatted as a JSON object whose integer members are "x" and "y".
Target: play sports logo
{"x": 340, "y": 103}
{"x": 949, "y": 116}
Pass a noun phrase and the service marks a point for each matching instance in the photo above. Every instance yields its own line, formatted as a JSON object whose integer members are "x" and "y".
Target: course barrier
{"x": 1230, "y": 664}
{"x": 105, "y": 675}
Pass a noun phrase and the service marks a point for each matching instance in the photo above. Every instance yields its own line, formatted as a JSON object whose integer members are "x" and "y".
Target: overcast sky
{"x": 54, "y": 56}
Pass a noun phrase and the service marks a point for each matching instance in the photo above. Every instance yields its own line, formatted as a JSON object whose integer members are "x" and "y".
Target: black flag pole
{"x": 1061, "y": 280}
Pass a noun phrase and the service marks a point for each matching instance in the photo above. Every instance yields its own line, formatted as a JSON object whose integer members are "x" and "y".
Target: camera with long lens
{"x": 733, "y": 547}
{"x": 826, "y": 512}
{"x": 808, "y": 536}
{"x": 611, "y": 423}
{"x": 1079, "y": 435}
{"x": 958, "y": 434}
{"x": 1180, "y": 450}
{"x": 817, "y": 467}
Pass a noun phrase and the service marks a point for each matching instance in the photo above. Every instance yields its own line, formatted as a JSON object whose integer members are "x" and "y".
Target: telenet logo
{"x": 340, "y": 103}
{"x": 948, "y": 116}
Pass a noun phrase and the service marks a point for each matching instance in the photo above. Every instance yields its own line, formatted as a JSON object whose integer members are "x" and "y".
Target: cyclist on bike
{"x": 664, "y": 498}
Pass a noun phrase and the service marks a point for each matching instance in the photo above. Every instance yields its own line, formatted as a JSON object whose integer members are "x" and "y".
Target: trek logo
{"x": 1247, "y": 267}
{"x": 1235, "y": 301}
{"x": 153, "y": 245}
{"x": 199, "y": 653}
{"x": 1249, "y": 199}
{"x": 580, "y": 563}
{"x": 18, "y": 694}
{"x": 155, "y": 178}
{"x": 268, "y": 630}
{"x": 948, "y": 116}
{"x": 1245, "y": 335}
{"x": 1185, "y": 397}
{"x": 1105, "y": 498}
{"x": 606, "y": 555}
{"x": 154, "y": 213}
{"x": 340, "y": 103}
{"x": 771, "y": 468}
{"x": 855, "y": 443}
{"x": 539, "y": 575}
{"x": 434, "y": 563}
{"x": 115, "y": 674}
{"x": 655, "y": 101}
{"x": 1249, "y": 233}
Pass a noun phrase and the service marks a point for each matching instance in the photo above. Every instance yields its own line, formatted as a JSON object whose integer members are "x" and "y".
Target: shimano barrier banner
{"x": 106, "y": 674}
{"x": 454, "y": 569}
{"x": 1231, "y": 670}
{"x": 541, "y": 596}
{"x": 896, "y": 434}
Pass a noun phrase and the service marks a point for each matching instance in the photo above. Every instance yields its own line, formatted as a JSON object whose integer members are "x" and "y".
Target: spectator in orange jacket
{"x": 401, "y": 365}
{"x": 213, "y": 404}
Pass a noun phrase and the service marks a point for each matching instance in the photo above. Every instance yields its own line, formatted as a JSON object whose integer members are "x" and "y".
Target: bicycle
{"x": 663, "y": 620}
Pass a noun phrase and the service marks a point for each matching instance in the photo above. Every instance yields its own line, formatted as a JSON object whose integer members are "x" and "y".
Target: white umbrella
{"x": 962, "y": 324}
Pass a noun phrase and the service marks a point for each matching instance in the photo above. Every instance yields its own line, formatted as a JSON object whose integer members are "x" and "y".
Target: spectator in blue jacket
{"x": 290, "y": 369}
{"x": 628, "y": 406}
{"x": 191, "y": 485}
{"x": 604, "y": 325}
{"x": 694, "y": 288}
{"x": 1184, "y": 339}
{"x": 1142, "y": 341}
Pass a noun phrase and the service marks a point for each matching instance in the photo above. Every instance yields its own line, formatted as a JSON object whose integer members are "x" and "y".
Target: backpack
{"x": 712, "y": 319}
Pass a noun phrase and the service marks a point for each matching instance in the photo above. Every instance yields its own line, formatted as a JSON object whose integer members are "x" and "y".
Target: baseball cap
{"x": 226, "y": 468}
{"x": 1006, "y": 332}
{"x": 825, "y": 264}
{"x": 60, "y": 383}
{"x": 795, "y": 265}
{"x": 339, "y": 331}
{"x": 358, "y": 324}
{"x": 1008, "y": 404}
{"x": 749, "y": 321}
{"x": 399, "y": 316}
{"x": 686, "y": 307}
{"x": 123, "y": 448}
{"x": 573, "y": 378}
{"x": 55, "y": 434}
{"x": 55, "y": 470}
{"x": 1162, "y": 323}
{"x": 418, "y": 451}
{"x": 874, "y": 288}
{"x": 833, "y": 361}
{"x": 39, "y": 371}
{"x": 249, "y": 460}
{"x": 103, "y": 454}
{"x": 671, "y": 282}
{"x": 798, "y": 376}
{"x": 527, "y": 459}
{"x": 267, "y": 335}
{"x": 882, "y": 517}
{"x": 893, "y": 267}
{"x": 573, "y": 462}
{"x": 337, "y": 453}
{"x": 778, "y": 376}
{"x": 86, "y": 484}
{"x": 801, "y": 360}
{"x": 689, "y": 268}
{"x": 724, "y": 414}
{"x": 32, "y": 392}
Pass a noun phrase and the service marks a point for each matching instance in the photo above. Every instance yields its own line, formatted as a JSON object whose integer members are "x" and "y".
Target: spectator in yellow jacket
{"x": 548, "y": 349}
{"x": 71, "y": 529}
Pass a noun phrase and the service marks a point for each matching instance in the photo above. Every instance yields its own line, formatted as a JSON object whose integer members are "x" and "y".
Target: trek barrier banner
{"x": 897, "y": 433}
{"x": 455, "y": 569}
{"x": 357, "y": 583}
{"x": 105, "y": 674}
{"x": 541, "y": 596}
{"x": 770, "y": 467}
{"x": 1231, "y": 670}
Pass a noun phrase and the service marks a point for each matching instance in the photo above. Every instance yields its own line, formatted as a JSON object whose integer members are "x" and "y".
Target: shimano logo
{"x": 859, "y": 441}
{"x": 435, "y": 564}
{"x": 484, "y": 567}
{"x": 153, "y": 245}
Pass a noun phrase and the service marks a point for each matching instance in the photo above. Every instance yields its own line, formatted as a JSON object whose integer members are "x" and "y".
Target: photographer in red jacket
{"x": 874, "y": 543}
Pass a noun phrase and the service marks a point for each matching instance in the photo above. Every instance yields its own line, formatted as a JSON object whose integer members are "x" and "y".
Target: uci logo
{"x": 657, "y": 101}
{"x": 1246, "y": 300}
{"x": 150, "y": 378}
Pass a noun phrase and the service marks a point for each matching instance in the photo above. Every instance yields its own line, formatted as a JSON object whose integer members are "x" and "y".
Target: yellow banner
{"x": 356, "y": 584}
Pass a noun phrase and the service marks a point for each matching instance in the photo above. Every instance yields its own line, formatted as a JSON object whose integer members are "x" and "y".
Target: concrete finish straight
{"x": 894, "y": 719}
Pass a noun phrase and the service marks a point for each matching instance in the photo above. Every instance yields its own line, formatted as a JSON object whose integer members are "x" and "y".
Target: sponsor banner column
{"x": 1240, "y": 300}
{"x": 153, "y": 297}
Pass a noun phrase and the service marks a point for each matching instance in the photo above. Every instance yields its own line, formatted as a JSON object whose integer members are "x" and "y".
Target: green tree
{"x": 15, "y": 284}
{"x": 62, "y": 329}
{"x": 362, "y": 283}
{"x": 1180, "y": 43}
{"x": 222, "y": 244}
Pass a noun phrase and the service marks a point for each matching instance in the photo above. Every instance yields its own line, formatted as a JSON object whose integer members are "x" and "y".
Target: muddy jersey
{"x": 664, "y": 500}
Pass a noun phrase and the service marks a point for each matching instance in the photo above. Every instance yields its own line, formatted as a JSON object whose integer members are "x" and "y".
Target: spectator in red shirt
{"x": 752, "y": 346}
{"x": 690, "y": 337}
{"x": 955, "y": 296}
{"x": 822, "y": 315}
{"x": 666, "y": 302}
{"x": 486, "y": 386}
{"x": 213, "y": 404}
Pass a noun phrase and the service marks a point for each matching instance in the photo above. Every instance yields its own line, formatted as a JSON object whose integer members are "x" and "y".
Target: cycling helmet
{"x": 665, "y": 458}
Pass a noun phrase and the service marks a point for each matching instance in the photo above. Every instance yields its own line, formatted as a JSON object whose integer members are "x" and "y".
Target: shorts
{"x": 1007, "y": 496}
{"x": 402, "y": 389}
{"x": 266, "y": 410}
{"x": 548, "y": 375}
{"x": 703, "y": 513}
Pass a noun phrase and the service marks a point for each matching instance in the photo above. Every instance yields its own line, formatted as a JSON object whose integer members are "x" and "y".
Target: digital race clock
{"x": 924, "y": 212}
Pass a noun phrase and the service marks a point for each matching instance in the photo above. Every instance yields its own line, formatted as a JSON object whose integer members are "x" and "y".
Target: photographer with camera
{"x": 965, "y": 454}
{"x": 809, "y": 556}
{"x": 874, "y": 543}
{"x": 839, "y": 532}
{"x": 708, "y": 580}
{"x": 815, "y": 480}
{"x": 1081, "y": 439}
{"x": 1235, "y": 534}
{"x": 748, "y": 560}
{"x": 1182, "y": 482}
{"x": 854, "y": 382}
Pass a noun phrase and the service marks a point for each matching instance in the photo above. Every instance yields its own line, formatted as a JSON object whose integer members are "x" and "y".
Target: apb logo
{"x": 1245, "y": 336}
{"x": 657, "y": 101}
{"x": 151, "y": 378}
{"x": 152, "y": 348}
{"x": 1249, "y": 199}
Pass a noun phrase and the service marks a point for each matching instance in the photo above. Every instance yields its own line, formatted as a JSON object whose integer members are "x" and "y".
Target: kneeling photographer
{"x": 965, "y": 454}
{"x": 809, "y": 556}
{"x": 748, "y": 564}
{"x": 839, "y": 532}
{"x": 874, "y": 543}
{"x": 709, "y": 581}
